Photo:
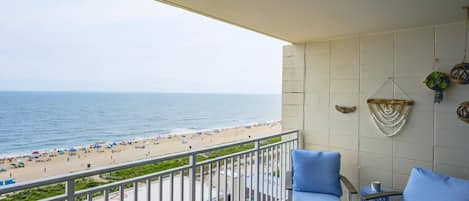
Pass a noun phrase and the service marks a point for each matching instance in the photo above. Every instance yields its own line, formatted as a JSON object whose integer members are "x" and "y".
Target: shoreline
{"x": 88, "y": 157}
{"x": 104, "y": 142}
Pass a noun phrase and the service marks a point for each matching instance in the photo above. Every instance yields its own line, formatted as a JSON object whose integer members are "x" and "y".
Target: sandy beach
{"x": 52, "y": 164}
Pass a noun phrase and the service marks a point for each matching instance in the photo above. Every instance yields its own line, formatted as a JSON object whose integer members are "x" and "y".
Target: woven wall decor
{"x": 389, "y": 115}
{"x": 345, "y": 110}
{"x": 463, "y": 111}
{"x": 460, "y": 72}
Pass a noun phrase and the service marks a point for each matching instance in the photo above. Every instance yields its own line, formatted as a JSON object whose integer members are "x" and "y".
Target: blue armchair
{"x": 425, "y": 185}
{"x": 316, "y": 176}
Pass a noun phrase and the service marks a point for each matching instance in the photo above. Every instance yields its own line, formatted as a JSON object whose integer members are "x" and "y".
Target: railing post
{"x": 192, "y": 161}
{"x": 70, "y": 189}
{"x": 257, "y": 147}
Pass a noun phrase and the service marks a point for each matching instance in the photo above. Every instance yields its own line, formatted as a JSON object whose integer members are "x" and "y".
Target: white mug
{"x": 376, "y": 186}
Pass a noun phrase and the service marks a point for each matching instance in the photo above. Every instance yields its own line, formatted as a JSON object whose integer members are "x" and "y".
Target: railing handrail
{"x": 102, "y": 170}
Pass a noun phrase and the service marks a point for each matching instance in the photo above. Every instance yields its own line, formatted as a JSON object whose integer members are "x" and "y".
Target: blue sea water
{"x": 46, "y": 120}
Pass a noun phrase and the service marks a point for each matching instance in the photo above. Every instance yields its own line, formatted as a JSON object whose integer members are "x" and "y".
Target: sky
{"x": 130, "y": 46}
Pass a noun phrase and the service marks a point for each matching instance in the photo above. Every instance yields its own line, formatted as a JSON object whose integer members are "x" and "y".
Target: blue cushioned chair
{"x": 425, "y": 185}
{"x": 316, "y": 176}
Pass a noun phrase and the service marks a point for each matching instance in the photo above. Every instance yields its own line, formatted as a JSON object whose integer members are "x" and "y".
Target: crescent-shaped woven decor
{"x": 389, "y": 115}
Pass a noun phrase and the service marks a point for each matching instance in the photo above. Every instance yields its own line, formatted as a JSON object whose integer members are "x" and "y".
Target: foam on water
{"x": 43, "y": 121}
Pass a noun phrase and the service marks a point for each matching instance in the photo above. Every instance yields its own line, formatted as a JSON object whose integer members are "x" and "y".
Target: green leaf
{"x": 443, "y": 85}
{"x": 430, "y": 84}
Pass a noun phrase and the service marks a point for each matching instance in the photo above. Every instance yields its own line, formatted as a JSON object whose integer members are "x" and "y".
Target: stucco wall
{"x": 319, "y": 75}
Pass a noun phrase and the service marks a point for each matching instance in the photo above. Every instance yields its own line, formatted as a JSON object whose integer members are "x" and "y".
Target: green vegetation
{"x": 58, "y": 189}
{"x": 50, "y": 191}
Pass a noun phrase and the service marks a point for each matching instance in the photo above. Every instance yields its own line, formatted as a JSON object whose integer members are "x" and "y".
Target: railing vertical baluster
{"x": 277, "y": 172}
{"x": 257, "y": 147}
{"x": 218, "y": 180}
{"x": 201, "y": 182}
{"x": 70, "y": 189}
{"x": 106, "y": 195}
{"x": 192, "y": 161}
{"x": 121, "y": 192}
{"x": 149, "y": 189}
{"x": 245, "y": 172}
{"x": 297, "y": 139}
{"x": 251, "y": 187}
{"x": 210, "y": 181}
{"x": 263, "y": 160}
{"x": 225, "y": 190}
{"x": 284, "y": 171}
{"x": 288, "y": 157}
{"x": 160, "y": 188}
{"x": 90, "y": 196}
{"x": 171, "y": 186}
{"x": 136, "y": 191}
{"x": 239, "y": 178}
{"x": 271, "y": 174}
{"x": 182, "y": 185}
{"x": 232, "y": 193}
{"x": 272, "y": 162}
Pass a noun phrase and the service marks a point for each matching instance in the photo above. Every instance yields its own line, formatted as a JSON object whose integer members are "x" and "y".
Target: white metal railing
{"x": 237, "y": 176}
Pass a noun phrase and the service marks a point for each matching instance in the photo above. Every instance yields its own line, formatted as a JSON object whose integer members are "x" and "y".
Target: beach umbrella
{"x": 73, "y": 149}
{"x": 96, "y": 146}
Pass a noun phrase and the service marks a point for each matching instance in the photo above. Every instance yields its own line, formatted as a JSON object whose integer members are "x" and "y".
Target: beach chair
{"x": 1, "y": 182}
{"x": 10, "y": 182}
{"x": 426, "y": 185}
{"x": 316, "y": 176}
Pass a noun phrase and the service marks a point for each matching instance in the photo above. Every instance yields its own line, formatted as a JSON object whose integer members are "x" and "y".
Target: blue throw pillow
{"x": 426, "y": 185}
{"x": 317, "y": 172}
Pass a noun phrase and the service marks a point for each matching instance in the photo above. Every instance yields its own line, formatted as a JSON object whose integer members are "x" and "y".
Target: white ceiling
{"x": 307, "y": 20}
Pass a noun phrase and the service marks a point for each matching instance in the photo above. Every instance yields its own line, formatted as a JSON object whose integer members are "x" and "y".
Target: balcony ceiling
{"x": 308, "y": 20}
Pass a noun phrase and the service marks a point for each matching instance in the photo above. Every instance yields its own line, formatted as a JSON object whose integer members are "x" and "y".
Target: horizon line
{"x": 137, "y": 92}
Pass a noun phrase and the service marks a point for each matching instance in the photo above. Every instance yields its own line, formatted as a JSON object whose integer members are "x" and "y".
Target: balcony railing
{"x": 258, "y": 170}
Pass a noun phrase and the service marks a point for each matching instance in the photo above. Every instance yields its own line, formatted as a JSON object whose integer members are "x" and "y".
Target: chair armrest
{"x": 351, "y": 189}
{"x": 288, "y": 181}
{"x": 381, "y": 195}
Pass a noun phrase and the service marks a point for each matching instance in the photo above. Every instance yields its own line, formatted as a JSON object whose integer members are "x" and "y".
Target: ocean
{"x": 40, "y": 121}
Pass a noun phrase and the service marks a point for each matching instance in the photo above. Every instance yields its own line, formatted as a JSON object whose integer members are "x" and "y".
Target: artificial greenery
{"x": 437, "y": 81}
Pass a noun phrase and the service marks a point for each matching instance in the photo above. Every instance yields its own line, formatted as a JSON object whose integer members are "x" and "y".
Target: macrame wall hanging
{"x": 389, "y": 115}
